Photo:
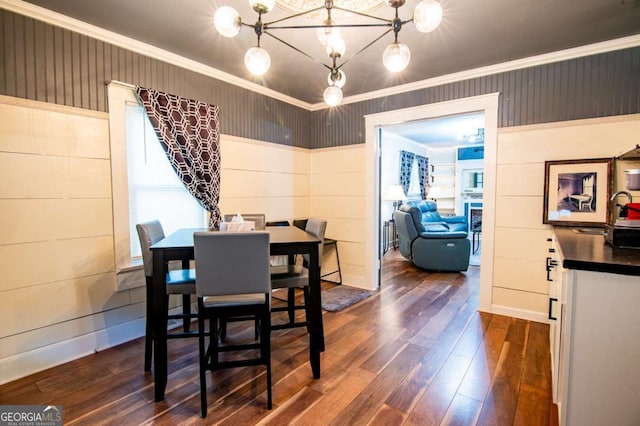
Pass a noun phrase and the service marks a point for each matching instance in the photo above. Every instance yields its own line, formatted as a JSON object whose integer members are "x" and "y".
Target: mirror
{"x": 472, "y": 180}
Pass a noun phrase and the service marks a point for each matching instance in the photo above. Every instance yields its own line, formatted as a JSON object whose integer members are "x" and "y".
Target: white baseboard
{"x": 519, "y": 313}
{"x": 26, "y": 363}
{"x": 355, "y": 281}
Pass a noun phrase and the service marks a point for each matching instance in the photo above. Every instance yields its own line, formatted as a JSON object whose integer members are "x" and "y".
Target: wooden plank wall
{"x": 42, "y": 62}
{"x": 601, "y": 85}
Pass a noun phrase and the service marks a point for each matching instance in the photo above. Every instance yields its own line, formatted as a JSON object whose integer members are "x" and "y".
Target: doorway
{"x": 453, "y": 147}
{"x": 487, "y": 104}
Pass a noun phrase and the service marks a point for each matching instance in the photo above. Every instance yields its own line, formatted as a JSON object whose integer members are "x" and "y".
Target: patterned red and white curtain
{"x": 189, "y": 132}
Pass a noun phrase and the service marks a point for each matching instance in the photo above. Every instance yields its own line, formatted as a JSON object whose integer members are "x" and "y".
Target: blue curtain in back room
{"x": 406, "y": 161}
{"x": 423, "y": 175}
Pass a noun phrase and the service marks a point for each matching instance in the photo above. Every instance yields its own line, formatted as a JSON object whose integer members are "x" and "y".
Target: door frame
{"x": 488, "y": 104}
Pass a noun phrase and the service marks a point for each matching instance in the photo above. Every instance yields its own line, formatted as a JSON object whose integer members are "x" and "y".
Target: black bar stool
{"x": 327, "y": 243}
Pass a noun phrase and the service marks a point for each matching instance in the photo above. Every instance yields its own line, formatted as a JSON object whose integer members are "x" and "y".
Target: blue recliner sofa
{"x": 432, "y": 246}
{"x": 429, "y": 214}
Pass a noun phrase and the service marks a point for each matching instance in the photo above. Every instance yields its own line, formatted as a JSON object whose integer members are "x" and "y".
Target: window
{"x": 155, "y": 190}
{"x": 144, "y": 185}
{"x": 414, "y": 181}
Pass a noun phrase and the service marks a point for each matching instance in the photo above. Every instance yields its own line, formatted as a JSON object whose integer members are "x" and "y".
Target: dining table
{"x": 283, "y": 240}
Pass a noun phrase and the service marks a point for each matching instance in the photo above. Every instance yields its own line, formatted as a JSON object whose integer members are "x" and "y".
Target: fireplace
{"x": 473, "y": 213}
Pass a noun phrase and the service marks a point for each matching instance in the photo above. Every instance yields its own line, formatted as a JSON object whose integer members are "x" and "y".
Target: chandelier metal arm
{"x": 306, "y": 12}
{"x": 299, "y": 27}
{"x": 297, "y": 50}
{"x": 364, "y": 48}
{"x": 387, "y": 22}
{"x": 318, "y": 60}
{"x": 355, "y": 12}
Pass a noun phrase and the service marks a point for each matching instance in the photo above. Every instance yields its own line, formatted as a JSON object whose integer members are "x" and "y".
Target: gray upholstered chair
{"x": 328, "y": 242}
{"x": 257, "y": 218}
{"x": 233, "y": 281}
{"x": 292, "y": 277}
{"x": 434, "y": 246}
{"x": 179, "y": 282}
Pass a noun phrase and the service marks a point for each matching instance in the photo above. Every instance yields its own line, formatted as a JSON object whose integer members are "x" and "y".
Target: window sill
{"x": 130, "y": 277}
{"x": 134, "y": 266}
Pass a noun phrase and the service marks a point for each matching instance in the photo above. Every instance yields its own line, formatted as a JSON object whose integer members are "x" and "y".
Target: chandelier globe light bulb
{"x": 396, "y": 57}
{"x": 395, "y": 3}
{"x": 336, "y": 46}
{"x": 332, "y": 95}
{"x": 337, "y": 78}
{"x": 227, "y": 21}
{"x": 427, "y": 15}
{"x": 325, "y": 33}
{"x": 262, "y": 6}
{"x": 257, "y": 60}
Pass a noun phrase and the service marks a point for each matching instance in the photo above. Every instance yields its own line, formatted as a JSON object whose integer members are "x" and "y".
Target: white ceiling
{"x": 440, "y": 132}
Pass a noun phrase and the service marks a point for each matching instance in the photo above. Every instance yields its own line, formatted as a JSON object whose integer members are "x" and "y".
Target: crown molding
{"x": 93, "y": 31}
{"x": 532, "y": 61}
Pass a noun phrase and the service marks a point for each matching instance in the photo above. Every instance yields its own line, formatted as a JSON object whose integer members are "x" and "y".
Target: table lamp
{"x": 396, "y": 194}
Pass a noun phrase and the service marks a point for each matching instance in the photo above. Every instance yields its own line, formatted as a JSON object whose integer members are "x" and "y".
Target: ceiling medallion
{"x": 298, "y": 6}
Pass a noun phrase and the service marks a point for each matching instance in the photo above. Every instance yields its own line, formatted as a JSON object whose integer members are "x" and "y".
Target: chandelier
{"x": 426, "y": 17}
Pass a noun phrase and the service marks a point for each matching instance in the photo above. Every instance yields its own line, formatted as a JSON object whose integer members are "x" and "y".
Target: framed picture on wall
{"x": 577, "y": 192}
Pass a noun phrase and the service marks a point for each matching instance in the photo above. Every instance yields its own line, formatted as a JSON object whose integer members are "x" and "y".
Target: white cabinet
{"x": 559, "y": 324}
{"x": 554, "y": 275}
{"x": 595, "y": 346}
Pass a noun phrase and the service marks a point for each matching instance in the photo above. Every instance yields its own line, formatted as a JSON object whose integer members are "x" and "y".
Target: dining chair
{"x": 179, "y": 282}
{"x": 233, "y": 281}
{"x": 278, "y": 223}
{"x": 281, "y": 259}
{"x": 258, "y": 219}
{"x": 294, "y": 276}
{"x": 300, "y": 223}
{"x": 328, "y": 242}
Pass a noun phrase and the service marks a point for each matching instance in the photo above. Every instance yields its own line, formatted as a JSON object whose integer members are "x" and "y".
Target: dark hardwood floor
{"x": 416, "y": 353}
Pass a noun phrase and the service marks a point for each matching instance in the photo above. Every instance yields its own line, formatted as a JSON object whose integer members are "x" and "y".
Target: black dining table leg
{"x": 159, "y": 325}
{"x": 316, "y": 335}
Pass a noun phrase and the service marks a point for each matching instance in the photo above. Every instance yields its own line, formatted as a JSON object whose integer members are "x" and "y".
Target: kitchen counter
{"x": 594, "y": 329}
{"x": 588, "y": 252}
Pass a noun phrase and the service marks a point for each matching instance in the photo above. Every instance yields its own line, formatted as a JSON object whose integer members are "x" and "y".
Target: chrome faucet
{"x": 623, "y": 208}
{"x": 628, "y": 194}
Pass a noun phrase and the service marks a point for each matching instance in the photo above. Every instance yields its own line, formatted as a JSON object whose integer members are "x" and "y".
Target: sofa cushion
{"x": 435, "y": 227}
{"x": 444, "y": 234}
{"x": 457, "y": 227}
{"x": 416, "y": 216}
{"x": 429, "y": 214}
{"x": 429, "y": 211}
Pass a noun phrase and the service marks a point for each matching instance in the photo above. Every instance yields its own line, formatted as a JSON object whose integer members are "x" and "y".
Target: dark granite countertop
{"x": 590, "y": 252}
